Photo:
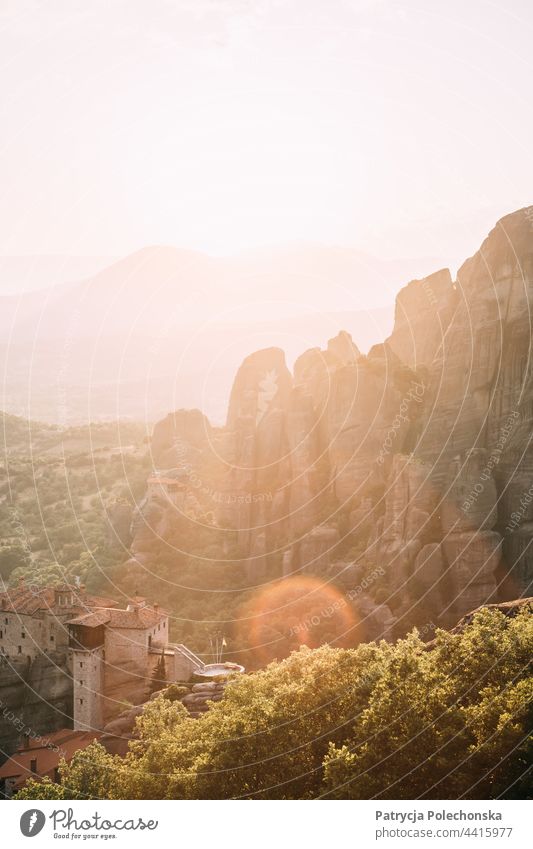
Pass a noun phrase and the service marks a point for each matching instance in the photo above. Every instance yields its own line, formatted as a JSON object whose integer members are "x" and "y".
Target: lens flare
{"x": 298, "y": 611}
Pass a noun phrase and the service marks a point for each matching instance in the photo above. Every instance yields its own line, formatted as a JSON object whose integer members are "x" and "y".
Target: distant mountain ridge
{"x": 160, "y": 322}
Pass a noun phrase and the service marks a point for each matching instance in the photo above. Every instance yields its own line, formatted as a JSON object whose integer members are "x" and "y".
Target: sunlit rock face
{"x": 370, "y": 411}
{"x": 254, "y": 491}
{"x": 309, "y": 464}
{"x": 422, "y": 315}
{"x": 480, "y": 374}
{"x": 262, "y": 385}
{"x": 481, "y": 391}
{"x": 418, "y": 453}
{"x": 179, "y": 433}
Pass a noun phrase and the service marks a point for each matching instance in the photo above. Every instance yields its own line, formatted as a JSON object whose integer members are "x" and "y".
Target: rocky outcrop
{"x": 472, "y": 559}
{"x": 197, "y": 701}
{"x": 317, "y": 549}
{"x": 481, "y": 390}
{"x": 35, "y": 697}
{"x": 508, "y": 608}
{"x": 423, "y": 312}
{"x": 196, "y": 698}
{"x": 179, "y": 432}
{"x": 415, "y": 458}
{"x": 262, "y": 385}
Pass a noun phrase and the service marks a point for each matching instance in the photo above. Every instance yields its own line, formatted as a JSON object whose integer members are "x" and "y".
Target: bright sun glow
{"x": 225, "y": 126}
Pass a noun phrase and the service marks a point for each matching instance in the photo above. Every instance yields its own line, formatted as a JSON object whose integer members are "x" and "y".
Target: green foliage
{"x": 447, "y": 723}
{"x": 385, "y": 721}
{"x": 89, "y": 774}
{"x": 12, "y": 557}
{"x": 61, "y": 490}
{"x": 45, "y": 789}
{"x": 176, "y": 692}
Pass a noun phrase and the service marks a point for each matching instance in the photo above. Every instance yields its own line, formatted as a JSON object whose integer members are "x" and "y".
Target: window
{"x": 23, "y": 635}
{"x": 19, "y": 649}
{"x": 6, "y": 620}
{"x": 81, "y": 664}
{"x": 52, "y": 638}
{"x": 81, "y": 701}
{"x": 33, "y": 765}
{"x": 1, "y": 634}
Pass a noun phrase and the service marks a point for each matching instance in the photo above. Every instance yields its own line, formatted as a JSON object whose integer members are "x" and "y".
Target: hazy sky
{"x": 400, "y": 128}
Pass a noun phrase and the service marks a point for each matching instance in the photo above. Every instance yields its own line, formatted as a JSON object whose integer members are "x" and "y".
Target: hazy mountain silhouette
{"x": 165, "y": 328}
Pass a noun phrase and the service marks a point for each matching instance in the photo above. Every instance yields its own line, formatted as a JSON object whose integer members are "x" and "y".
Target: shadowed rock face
{"x": 417, "y": 454}
{"x": 36, "y": 697}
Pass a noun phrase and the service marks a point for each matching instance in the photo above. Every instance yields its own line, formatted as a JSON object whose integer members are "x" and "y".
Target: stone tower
{"x": 88, "y": 688}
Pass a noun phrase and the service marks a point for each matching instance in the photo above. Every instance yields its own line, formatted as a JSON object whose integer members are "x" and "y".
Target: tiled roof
{"x": 30, "y": 600}
{"x": 47, "y": 751}
{"x": 87, "y": 610}
{"x": 92, "y": 619}
{"x": 142, "y": 617}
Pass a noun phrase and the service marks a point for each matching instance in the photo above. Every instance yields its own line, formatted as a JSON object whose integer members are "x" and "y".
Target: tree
{"x": 159, "y": 675}
{"x": 13, "y": 557}
{"x": 88, "y": 775}
{"x": 384, "y": 720}
{"x": 45, "y": 789}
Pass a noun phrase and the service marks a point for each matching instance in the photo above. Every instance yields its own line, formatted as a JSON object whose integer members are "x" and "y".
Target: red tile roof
{"x": 29, "y": 600}
{"x": 92, "y": 619}
{"x": 47, "y": 750}
{"x": 141, "y": 617}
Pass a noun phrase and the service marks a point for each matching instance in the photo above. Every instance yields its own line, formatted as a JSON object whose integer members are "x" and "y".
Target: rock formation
{"x": 36, "y": 697}
{"x": 423, "y": 312}
{"x": 415, "y": 458}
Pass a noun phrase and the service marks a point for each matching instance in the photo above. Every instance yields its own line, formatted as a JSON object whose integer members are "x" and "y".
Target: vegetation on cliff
{"x": 403, "y": 720}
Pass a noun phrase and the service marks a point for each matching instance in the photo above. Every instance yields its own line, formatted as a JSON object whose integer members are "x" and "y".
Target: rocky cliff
{"x": 35, "y": 698}
{"x": 415, "y": 458}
